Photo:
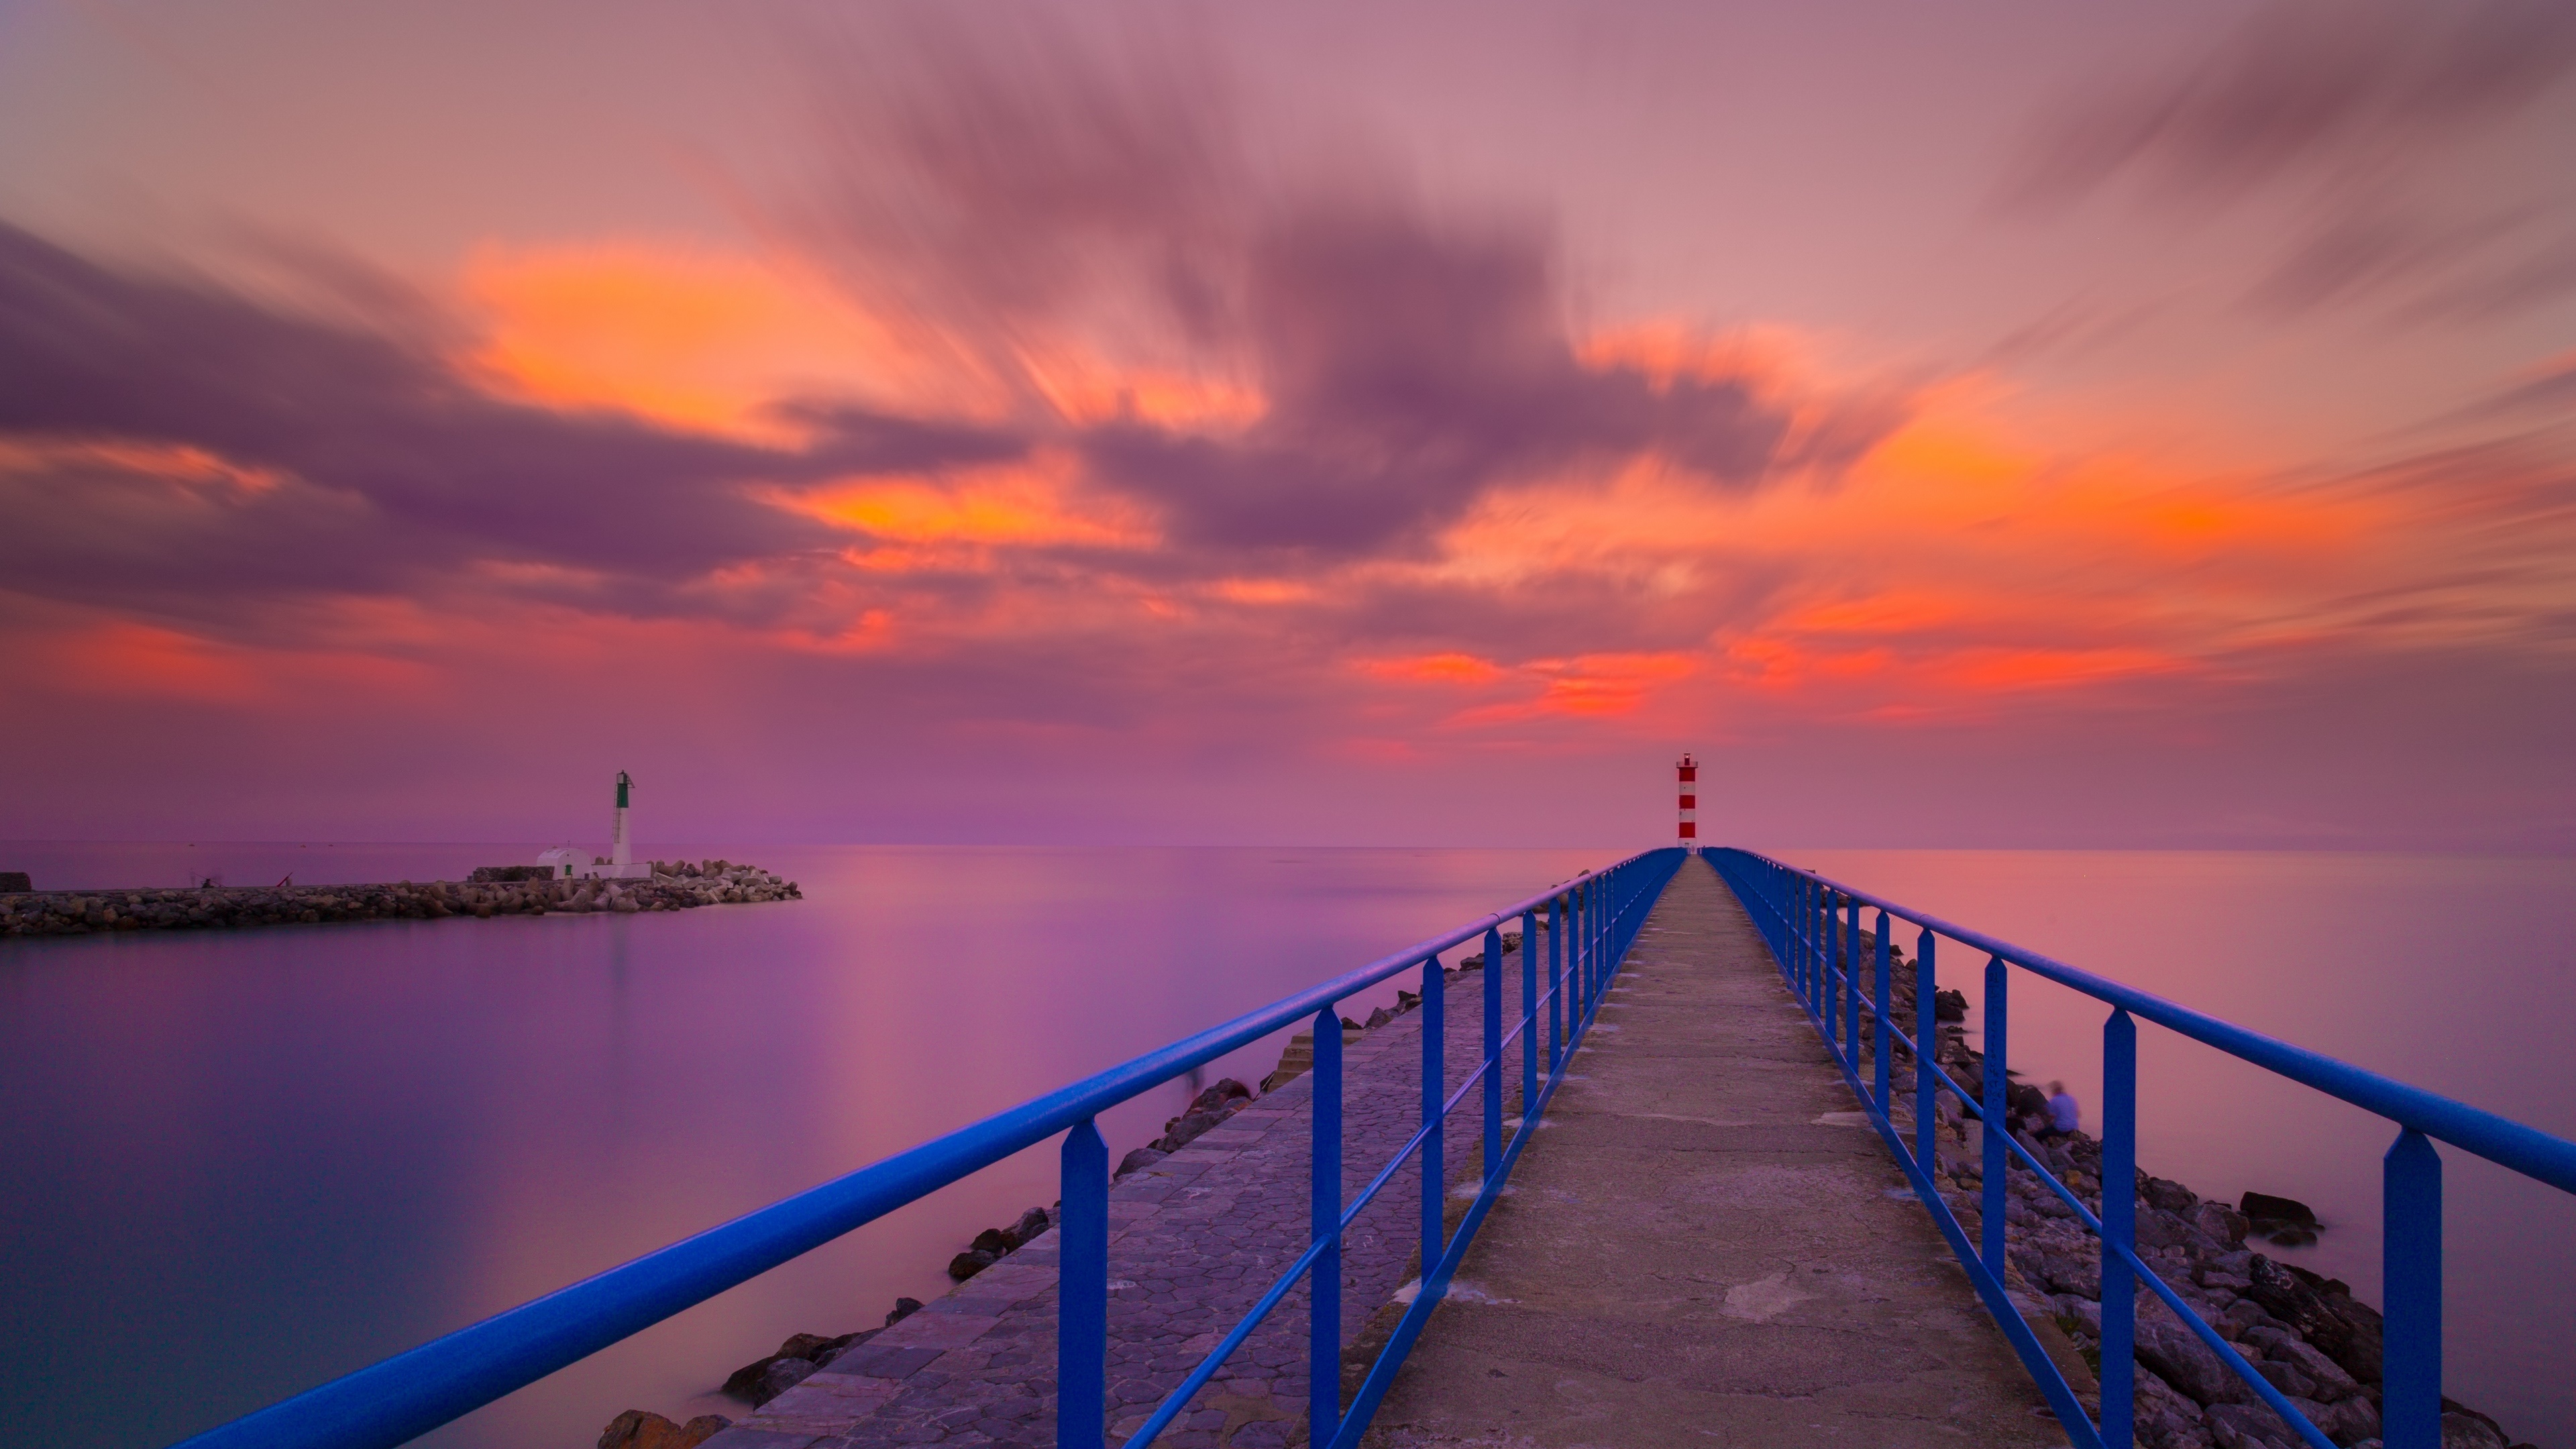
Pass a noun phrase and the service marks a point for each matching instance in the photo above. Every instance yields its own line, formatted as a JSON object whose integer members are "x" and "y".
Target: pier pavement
{"x": 1709, "y": 1246}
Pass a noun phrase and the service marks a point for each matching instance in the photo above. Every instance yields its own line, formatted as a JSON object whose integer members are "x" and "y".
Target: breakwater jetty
{"x": 673, "y": 886}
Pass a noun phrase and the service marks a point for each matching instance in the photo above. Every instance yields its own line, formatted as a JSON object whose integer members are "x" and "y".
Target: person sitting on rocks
{"x": 2065, "y": 1114}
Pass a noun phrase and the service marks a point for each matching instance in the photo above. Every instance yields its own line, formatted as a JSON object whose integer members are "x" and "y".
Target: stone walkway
{"x": 1709, "y": 1246}
{"x": 1195, "y": 1240}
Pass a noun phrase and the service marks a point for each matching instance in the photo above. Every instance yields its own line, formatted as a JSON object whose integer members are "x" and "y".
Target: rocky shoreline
{"x": 674, "y": 886}
{"x": 2306, "y": 1334}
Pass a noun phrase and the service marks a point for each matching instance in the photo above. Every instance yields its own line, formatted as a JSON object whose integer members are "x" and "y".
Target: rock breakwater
{"x": 675, "y": 886}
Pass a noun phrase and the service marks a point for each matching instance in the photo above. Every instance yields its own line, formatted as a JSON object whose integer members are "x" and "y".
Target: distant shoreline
{"x": 673, "y": 886}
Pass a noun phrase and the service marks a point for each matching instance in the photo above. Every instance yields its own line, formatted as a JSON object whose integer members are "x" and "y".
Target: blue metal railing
{"x": 1813, "y": 925}
{"x": 1589, "y": 925}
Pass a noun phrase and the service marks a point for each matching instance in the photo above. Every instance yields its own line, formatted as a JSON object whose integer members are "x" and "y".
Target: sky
{"x": 1967, "y": 425}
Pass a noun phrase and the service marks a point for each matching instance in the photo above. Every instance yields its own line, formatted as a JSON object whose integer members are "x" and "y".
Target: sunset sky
{"x": 1964, "y": 424}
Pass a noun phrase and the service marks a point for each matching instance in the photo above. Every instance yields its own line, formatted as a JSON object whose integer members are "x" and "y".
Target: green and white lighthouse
{"x": 620, "y": 848}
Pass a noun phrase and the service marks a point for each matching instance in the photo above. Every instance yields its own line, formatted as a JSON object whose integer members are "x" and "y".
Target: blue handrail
{"x": 1591, "y": 922}
{"x": 1813, "y": 927}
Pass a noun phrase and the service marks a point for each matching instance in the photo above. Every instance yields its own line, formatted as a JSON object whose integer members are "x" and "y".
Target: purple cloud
{"x": 386, "y": 462}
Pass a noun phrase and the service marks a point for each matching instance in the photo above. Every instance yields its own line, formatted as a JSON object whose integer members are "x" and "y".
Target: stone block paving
{"x": 1194, "y": 1241}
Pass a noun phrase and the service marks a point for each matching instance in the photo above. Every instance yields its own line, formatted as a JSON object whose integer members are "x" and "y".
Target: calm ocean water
{"x": 241, "y": 1163}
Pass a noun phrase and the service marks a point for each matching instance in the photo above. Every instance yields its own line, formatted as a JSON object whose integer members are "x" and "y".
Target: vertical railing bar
{"x": 1529, "y": 1018}
{"x": 1881, "y": 1041}
{"x": 1324, "y": 1322}
{"x": 1556, "y": 1012}
{"x": 1927, "y": 1045}
{"x": 1851, "y": 987}
{"x": 1434, "y": 1180}
{"x": 2411, "y": 1266}
{"x": 1493, "y": 1050}
{"x": 2119, "y": 1229}
{"x": 1829, "y": 922}
{"x": 1996, "y": 1161}
{"x": 1082, "y": 1305}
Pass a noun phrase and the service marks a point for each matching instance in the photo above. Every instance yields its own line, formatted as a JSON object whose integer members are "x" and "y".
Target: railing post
{"x": 1591, "y": 945}
{"x": 2410, "y": 1407}
{"x": 1082, "y": 1302}
{"x": 1434, "y": 1177}
{"x": 1881, "y": 1040}
{"x": 1493, "y": 1051}
{"x": 1803, "y": 918}
{"x": 1556, "y": 1015}
{"x": 1820, "y": 954}
{"x": 1927, "y": 1077}
{"x": 1324, "y": 1325}
{"x": 1851, "y": 986}
{"x": 1997, "y": 1159}
{"x": 2119, "y": 1230}
{"x": 1829, "y": 921}
{"x": 1529, "y": 1018}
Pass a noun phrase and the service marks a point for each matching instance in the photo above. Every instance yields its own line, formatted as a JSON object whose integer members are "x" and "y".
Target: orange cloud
{"x": 1433, "y": 669}
{"x": 1022, "y": 504}
{"x": 692, "y": 336}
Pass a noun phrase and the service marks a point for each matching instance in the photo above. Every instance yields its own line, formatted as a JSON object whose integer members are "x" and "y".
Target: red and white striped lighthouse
{"x": 1689, "y": 768}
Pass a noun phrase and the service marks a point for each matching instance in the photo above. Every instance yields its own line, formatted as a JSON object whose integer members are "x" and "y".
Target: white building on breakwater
{"x": 566, "y": 862}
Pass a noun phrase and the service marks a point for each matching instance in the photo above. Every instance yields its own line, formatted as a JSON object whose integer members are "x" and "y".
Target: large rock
{"x": 1142, "y": 1157}
{"x": 637, "y": 1429}
{"x": 2462, "y": 1429}
{"x": 2182, "y": 1360}
{"x": 1032, "y": 1225}
{"x": 2249, "y": 1426}
{"x": 2322, "y": 1311}
{"x": 781, "y": 1375}
{"x": 971, "y": 1262}
{"x": 2262, "y": 1208}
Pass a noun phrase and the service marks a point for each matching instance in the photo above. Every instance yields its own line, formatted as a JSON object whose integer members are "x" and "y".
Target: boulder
{"x": 903, "y": 1308}
{"x": 971, "y": 1262}
{"x": 1949, "y": 1006}
{"x": 2248, "y": 1426}
{"x": 2348, "y": 1421}
{"x": 2465, "y": 1429}
{"x": 762, "y": 1380}
{"x": 2182, "y": 1360}
{"x": 2265, "y": 1210}
{"x": 996, "y": 1241}
{"x": 636, "y": 1429}
{"x": 1181, "y": 1131}
{"x": 1141, "y": 1158}
{"x": 1223, "y": 1094}
{"x": 2167, "y": 1195}
{"x": 2321, "y": 1311}
{"x": 1031, "y": 1226}
{"x": 781, "y": 1375}
{"x": 15, "y": 882}
{"x": 2220, "y": 1222}
{"x": 1378, "y": 1018}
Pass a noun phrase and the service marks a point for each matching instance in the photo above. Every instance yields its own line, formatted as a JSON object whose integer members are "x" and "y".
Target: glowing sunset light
{"x": 1017, "y": 379}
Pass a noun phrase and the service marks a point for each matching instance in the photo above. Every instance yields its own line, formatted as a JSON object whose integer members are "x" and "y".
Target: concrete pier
{"x": 1706, "y": 1245}
{"x": 1709, "y": 1246}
